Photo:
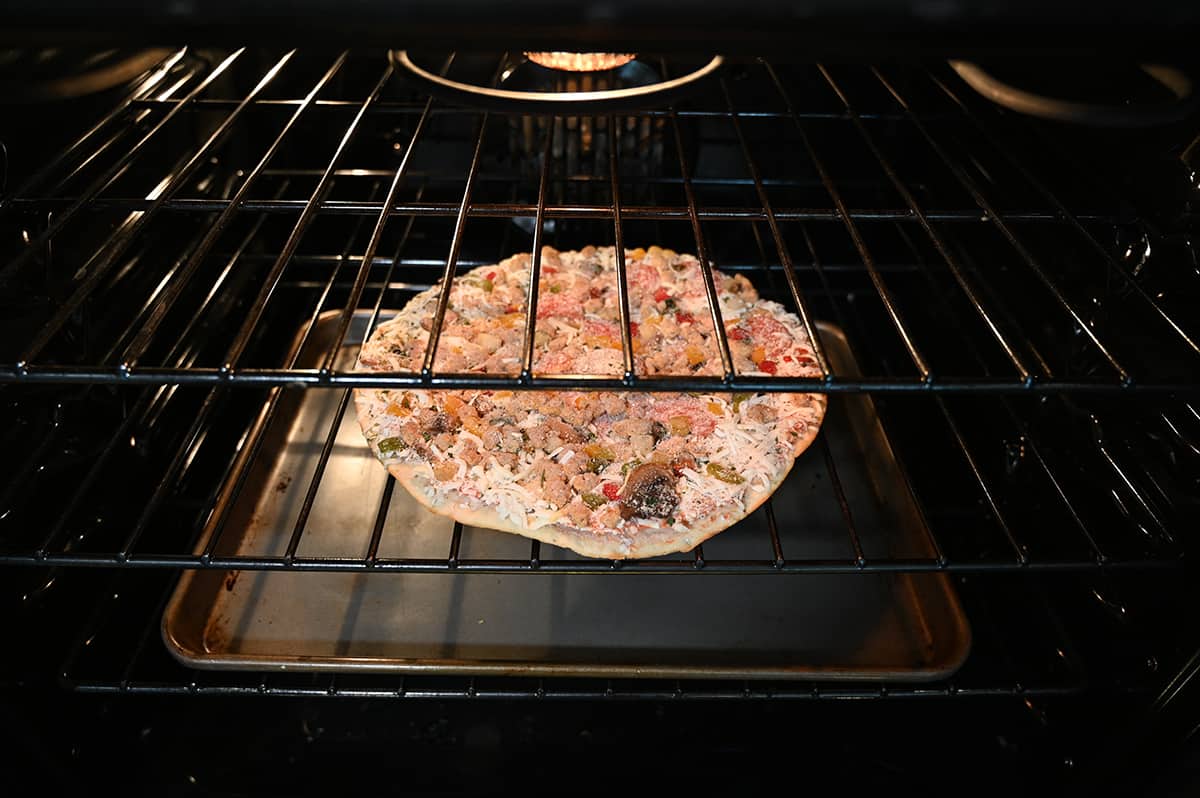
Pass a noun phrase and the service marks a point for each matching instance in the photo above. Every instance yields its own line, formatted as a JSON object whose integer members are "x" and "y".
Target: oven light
{"x": 580, "y": 62}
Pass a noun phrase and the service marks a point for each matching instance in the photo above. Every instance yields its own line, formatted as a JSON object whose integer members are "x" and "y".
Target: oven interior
{"x": 1017, "y": 295}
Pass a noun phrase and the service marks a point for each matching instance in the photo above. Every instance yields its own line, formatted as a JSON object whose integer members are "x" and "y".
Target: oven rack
{"x": 88, "y": 187}
{"x": 978, "y": 528}
{"x": 1102, "y": 505}
{"x": 1022, "y": 649}
{"x": 975, "y": 525}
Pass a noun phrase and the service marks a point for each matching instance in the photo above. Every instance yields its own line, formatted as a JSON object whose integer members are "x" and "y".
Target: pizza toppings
{"x": 594, "y": 501}
{"x": 389, "y": 446}
{"x": 685, "y": 415}
{"x": 435, "y": 423}
{"x": 725, "y": 474}
{"x": 649, "y": 492}
{"x": 683, "y": 461}
{"x": 606, "y": 462}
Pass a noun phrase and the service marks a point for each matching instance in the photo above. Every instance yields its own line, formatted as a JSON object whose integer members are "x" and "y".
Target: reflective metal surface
{"x": 850, "y": 626}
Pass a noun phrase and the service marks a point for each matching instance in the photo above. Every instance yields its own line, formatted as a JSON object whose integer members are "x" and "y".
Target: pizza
{"x": 612, "y": 474}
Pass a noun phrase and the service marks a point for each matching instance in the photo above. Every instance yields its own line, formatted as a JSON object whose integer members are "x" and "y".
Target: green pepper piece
{"x": 725, "y": 474}
{"x": 632, "y": 464}
{"x": 594, "y": 500}
{"x": 391, "y": 446}
{"x": 738, "y": 398}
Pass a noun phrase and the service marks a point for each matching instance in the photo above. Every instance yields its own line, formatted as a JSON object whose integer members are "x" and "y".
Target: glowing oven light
{"x": 580, "y": 62}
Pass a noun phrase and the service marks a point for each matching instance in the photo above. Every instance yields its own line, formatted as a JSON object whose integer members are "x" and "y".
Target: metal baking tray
{"x": 847, "y": 626}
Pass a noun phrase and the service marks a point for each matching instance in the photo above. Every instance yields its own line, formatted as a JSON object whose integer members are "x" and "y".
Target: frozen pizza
{"x": 607, "y": 474}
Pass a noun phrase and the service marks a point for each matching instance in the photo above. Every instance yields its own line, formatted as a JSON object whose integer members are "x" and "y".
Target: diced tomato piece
{"x": 787, "y": 358}
{"x": 633, "y": 328}
{"x": 737, "y": 334}
{"x": 491, "y": 276}
{"x": 768, "y": 366}
{"x": 595, "y": 292}
{"x": 549, "y": 270}
{"x": 610, "y": 491}
{"x": 661, "y": 295}
{"x": 685, "y": 318}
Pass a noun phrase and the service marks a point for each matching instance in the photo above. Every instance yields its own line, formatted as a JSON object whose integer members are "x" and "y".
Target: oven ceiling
{"x": 821, "y": 28}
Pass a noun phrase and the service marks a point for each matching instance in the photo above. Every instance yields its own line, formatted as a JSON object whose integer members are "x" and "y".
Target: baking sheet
{"x": 850, "y": 626}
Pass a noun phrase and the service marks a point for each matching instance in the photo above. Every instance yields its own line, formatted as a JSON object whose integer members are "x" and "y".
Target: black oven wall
{"x": 863, "y": 30}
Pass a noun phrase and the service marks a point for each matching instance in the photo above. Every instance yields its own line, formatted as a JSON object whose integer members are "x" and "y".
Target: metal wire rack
{"x": 172, "y": 267}
{"x": 92, "y": 179}
{"x": 155, "y": 530}
{"x": 1028, "y": 654}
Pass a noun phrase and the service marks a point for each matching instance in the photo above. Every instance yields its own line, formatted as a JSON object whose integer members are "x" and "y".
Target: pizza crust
{"x": 633, "y": 539}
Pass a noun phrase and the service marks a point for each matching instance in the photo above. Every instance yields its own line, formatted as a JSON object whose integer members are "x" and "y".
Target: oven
{"x": 977, "y": 577}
